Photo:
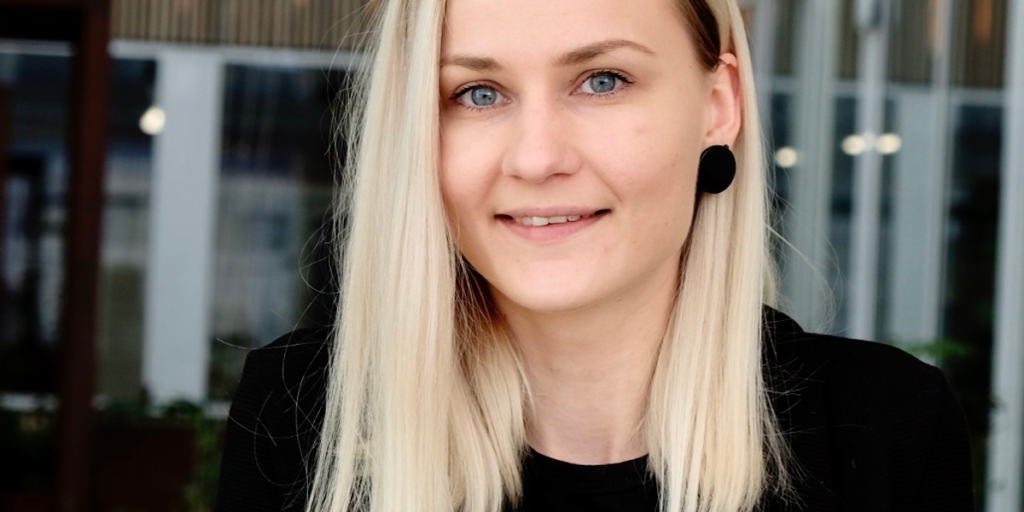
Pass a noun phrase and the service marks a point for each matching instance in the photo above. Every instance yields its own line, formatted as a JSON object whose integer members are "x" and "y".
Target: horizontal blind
{"x": 309, "y": 24}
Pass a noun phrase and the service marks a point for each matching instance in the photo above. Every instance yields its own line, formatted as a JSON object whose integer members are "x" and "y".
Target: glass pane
{"x": 979, "y": 42}
{"x": 968, "y": 302}
{"x": 785, "y": 37}
{"x": 275, "y": 191}
{"x": 38, "y": 95}
{"x": 35, "y": 91}
{"x": 914, "y": 39}
{"x": 125, "y": 233}
{"x": 848, "y": 41}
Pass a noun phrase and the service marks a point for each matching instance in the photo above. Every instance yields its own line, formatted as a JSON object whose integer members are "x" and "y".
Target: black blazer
{"x": 871, "y": 427}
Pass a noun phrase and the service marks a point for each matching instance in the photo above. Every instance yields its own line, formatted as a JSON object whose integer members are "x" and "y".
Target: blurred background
{"x": 166, "y": 176}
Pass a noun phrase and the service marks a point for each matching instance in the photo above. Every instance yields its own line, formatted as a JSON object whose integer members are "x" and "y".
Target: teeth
{"x": 544, "y": 221}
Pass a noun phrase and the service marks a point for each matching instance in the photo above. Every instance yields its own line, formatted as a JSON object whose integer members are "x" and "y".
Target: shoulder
{"x": 293, "y": 358}
{"x": 273, "y": 425}
{"x": 288, "y": 377}
{"x": 860, "y": 372}
{"x": 284, "y": 379}
{"x": 873, "y": 427}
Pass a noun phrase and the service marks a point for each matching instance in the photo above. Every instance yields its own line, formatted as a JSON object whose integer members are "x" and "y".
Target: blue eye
{"x": 483, "y": 96}
{"x": 479, "y": 96}
{"x": 602, "y": 83}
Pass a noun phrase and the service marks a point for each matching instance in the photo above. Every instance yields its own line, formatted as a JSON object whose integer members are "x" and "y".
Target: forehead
{"x": 527, "y": 26}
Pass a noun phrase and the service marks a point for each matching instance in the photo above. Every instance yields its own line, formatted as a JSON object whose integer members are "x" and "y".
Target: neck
{"x": 590, "y": 371}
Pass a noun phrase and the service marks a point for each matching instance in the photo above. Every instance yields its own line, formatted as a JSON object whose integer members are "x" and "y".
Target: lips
{"x": 550, "y": 224}
{"x": 544, "y": 221}
{"x": 552, "y": 212}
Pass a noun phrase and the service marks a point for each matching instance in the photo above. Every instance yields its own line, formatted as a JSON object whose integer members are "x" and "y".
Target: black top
{"x": 551, "y": 484}
{"x": 871, "y": 427}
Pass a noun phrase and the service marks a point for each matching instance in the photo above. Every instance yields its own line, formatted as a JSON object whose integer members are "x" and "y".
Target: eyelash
{"x": 468, "y": 88}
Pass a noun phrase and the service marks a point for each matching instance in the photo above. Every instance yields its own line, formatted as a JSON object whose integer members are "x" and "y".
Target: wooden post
{"x": 87, "y": 144}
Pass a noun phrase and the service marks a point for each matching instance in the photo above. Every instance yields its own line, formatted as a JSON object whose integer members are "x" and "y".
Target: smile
{"x": 551, "y": 227}
{"x": 544, "y": 221}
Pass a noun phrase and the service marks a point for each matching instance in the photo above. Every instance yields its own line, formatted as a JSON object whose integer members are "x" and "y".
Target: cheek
{"x": 652, "y": 169}
{"x": 665, "y": 196}
{"x": 465, "y": 180}
{"x": 655, "y": 161}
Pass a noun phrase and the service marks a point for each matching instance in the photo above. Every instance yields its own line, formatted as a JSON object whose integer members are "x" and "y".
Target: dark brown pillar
{"x": 87, "y": 144}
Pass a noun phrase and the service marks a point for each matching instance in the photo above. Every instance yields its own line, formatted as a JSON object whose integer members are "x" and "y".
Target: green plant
{"x": 942, "y": 349}
{"x": 200, "y": 492}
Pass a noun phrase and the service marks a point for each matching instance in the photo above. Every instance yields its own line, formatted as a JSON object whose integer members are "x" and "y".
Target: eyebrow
{"x": 574, "y": 57}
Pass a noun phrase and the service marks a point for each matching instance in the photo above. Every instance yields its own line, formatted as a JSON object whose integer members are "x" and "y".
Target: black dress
{"x": 871, "y": 427}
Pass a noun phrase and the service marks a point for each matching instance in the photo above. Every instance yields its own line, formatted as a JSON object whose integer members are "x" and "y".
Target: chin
{"x": 549, "y": 298}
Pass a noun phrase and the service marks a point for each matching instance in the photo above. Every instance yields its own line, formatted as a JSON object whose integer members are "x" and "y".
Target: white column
{"x": 873, "y": 27}
{"x": 917, "y": 213}
{"x": 1006, "y": 434}
{"x": 921, "y": 175}
{"x": 186, "y": 167}
{"x": 763, "y": 55}
{"x": 808, "y": 216}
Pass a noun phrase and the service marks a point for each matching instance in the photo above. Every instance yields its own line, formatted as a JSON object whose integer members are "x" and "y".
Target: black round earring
{"x": 716, "y": 170}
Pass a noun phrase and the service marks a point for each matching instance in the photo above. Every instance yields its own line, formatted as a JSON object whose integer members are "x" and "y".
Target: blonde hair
{"x": 427, "y": 401}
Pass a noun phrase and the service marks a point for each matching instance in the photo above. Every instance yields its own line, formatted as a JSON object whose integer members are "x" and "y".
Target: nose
{"x": 541, "y": 144}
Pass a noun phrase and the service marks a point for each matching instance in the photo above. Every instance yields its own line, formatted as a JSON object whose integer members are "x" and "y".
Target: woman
{"x": 553, "y": 288}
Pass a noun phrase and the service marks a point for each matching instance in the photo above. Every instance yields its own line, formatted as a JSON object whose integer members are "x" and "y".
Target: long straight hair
{"x": 427, "y": 400}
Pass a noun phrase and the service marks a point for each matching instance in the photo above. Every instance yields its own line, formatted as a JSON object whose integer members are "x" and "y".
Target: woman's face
{"x": 571, "y": 131}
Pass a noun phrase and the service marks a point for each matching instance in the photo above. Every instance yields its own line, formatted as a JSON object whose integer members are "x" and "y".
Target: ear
{"x": 725, "y": 103}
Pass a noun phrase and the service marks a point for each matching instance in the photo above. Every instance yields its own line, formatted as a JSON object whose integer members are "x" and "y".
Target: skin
{"x": 588, "y": 310}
